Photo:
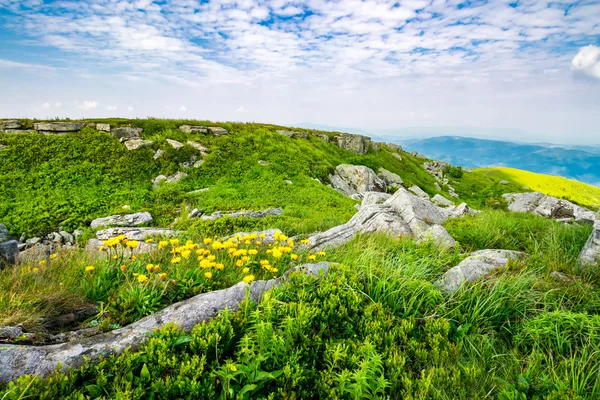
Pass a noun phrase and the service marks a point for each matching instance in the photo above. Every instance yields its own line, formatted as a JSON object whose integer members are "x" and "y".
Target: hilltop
{"x": 155, "y": 258}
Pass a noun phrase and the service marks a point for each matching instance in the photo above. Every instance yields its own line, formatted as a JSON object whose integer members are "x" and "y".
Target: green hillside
{"x": 556, "y": 186}
{"x": 376, "y": 325}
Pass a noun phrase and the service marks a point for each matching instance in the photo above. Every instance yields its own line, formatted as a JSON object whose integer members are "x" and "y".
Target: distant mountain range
{"x": 576, "y": 162}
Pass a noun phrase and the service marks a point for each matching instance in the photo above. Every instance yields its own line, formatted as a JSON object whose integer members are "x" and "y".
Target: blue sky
{"x": 523, "y": 66}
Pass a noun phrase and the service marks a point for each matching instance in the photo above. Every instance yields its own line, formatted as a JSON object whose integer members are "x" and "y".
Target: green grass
{"x": 557, "y": 186}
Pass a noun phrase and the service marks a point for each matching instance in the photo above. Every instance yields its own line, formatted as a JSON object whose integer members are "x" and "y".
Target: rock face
{"x": 322, "y": 137}
{"x": 590, "y": 254}
{"x": 402, "y": 214}
{"x": 127, "y": 133}
{"x": 441, "y": 201}
{"x": 3, "y": 233}
{"x": 136, "y": 144}
{"x": 548, "y": 206}
{"x": 9, "y": 252}
{"x": 353, "y": 179}
{"x": 419, "y": 192}
{"x": 355, "y": 143}
{"x": 58, "y": 126}
{"x": 193, "y": 129}
{"x": 390, "y": 178}
{"x": 476, "y": 266}
{"x": 292, "y": 134}
{"x": 244, "y": 214}
{"x": 123, "y": 220}
{"x": 18, "y": 360}
{"x": 175, "y": 144}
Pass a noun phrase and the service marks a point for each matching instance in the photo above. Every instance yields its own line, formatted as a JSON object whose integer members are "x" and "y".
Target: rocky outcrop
{"x": 419, "y": 192}
{"x": 436, "y": 168}
{"x": 402, "y": 214}
{"x": 126, "y": 133}
{"x": 198, "y": 146}
{"x": 441, "y": 201}
{"x": 9, "y": 252}
{"x": 123, "y": 220}
{"x": 103, "y": 127}
{"x": 390, "y": 178}
{"x": 176, "y": 177}
{"x": 397, "y": 156}
{"x": 353, "y": 179}
{"x": 370, "y": 198}
{"x": 10, "y": 124}
{"x": 217, "y": 131}
{"x": 3, "y": 233}
{"x": 193, "y": 129}
{"x": 355, "y": 143}
{"x": 292, "y": 134}
{"x": 243, "y": 214}
{"x": 476, "y": 266}
{"x": 394, "y": 146}
{"x": 590, "y": 254}
{"x": 175, "y": 144}
{"x": 18, "y": 360}
{"x": 322, "y": 137}
{"x": 548, "y": 206}
{"x": 439, "y": 236}
{"x": 136, "y": 144}
{"x": 54, "y": 127}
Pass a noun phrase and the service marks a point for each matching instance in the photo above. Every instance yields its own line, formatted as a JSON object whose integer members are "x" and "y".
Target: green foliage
{"x": 453, "y": 171}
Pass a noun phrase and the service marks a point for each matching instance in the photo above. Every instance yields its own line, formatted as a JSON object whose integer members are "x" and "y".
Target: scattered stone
{"x": 10, "y": 124}
{"x": 176, "y": 177}
{"x": 3, "y": 147}
{"x": 590, "y": 254}
{"x": 419, "y": 192}
{"x": 198, "y": 163}
{"x": 261, "y": 162}
{"x": 440, "y": 237}
{"x": 58, "y": 126}
{"x": 133, "y": 233}
{"x": 18, "y": 360}
{"x": 394, "y": 146}
{"x": 126, "y": 133}
{"x": 103, "y": 127}
{"x": 436, "y": 168}
{"x": 476, "y": 266}
{"x": 33, "y": 241}
{"x": 198, "y": 146}
{"x": 548, "y": 206}
{"x": 397, "y": 156}
{"x": 9, "y": 252}
{"x": 188, "y": 164}
{"x": 175, "y": 144}
{"x": 323, "y": 137}
{"x": 77, "y": 233}
{"x": 193, "y": 129}
{"x": 355, "y": 143}
{"x": 292, "y": 134}
{"x": 375, "y": 146}
{"x": 23, "y": 238}
{"x": 135, "y": 144}
{"x": 504, "y": 182}
{"x": 10, "y": 332}
{"x": 390, "y": 178}
{"x": 159, "y": 153}
{"x": 244, "y": 214}
{"x": 352, "y": 179}
{"x": 55, "y": 237}
{"x": 3, "y": 233}
{"x": 217, "y": 131}
{"x": 460, "y": 211}
{"x": 437, "y": 187}
{"x": 67, "y": 237}
{"x": 123, "y": 220}
{"x": 370, "y": 198}
{"x": 193, "y": 192}
{"x": 441, "y": 201}
{"x": 289, "y": 182}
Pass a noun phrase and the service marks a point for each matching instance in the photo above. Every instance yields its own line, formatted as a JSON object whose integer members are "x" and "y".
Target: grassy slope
{"x": 557, "y": 186}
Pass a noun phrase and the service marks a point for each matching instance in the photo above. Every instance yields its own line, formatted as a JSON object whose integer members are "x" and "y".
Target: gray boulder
{"x": 176, "y": 177}
{"x": 244, "y": 214}
{"x": 355, "y": 143}
{"x": 18, "y": 360}
{"x": 217, "y": 131}
{"x": 10, "y": 124}
{"x": 10, "y": 332}
{"x": 126, "y": 133}
{"x": 419, "y": 192}
{"x": 198, "y": 146}
{"x": 9, "y": 252}
{"x": 476, "y": 266}
{"x": 193, "y": 129}
{"x": 292, "y": 134}
{"x": 133, "y": 233}
{"x": 590, "y": 254}
{"x": 67, "y": 237}
{"x": 435, "y": 168}
{"x": 58, "y": 126}
{"x": 394, "y": 147}
{"x": 439, "y": 235}
{"x": 175, "y": 144}
{"x": 123, "y": 220}
{"x": 136, "y": 144}
{"x": 159, "y": 153}
{"x": 322, "y": 137}
{"x": 103, "y": 127}
{"x": 370, "y": 198}
{"x": 460, "y": 211}
{"x": 548, "y": 206}
{"x": 441, "y": 201}
{"x": 397, "y": 156}
{"x": 352, "y": 179}
{"x": 418, "y": 213}
{"x": 390, "y": 178}
{"x": 3, "y": 233}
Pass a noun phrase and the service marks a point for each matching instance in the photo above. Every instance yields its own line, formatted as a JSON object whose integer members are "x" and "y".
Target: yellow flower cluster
{"x": 120, "y": 240}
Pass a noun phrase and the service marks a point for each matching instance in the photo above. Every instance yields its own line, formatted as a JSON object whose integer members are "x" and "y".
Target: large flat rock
{"x": 136, "y": 233}
{"x": 123, "y": 220}
{"x": 59, "y": 126}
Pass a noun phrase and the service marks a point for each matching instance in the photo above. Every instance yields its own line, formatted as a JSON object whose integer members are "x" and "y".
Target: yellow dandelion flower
{"x": 149, "y": 267}
{"x": 239, "y": 263}
{"x": 262, "y": 236}
{"x": 174, "y": 242}
{"x": 42, "y": 263}
{"x": 312, "y": 257}
{"x": 248, "y": 278}
{"x": 176, "y": 260}
{"x": 149, "y": 240}
{"x": 219, "y": 266}
{"x": 246, "y": 270}
{"x": 163, "y": 276}
{"x": 162, "y": 244}
{"x": 186, "y": 254}
{"x": 36, "y": 270}
{"x": 53, "y": 256}
{"x": 294, "y": 257}
{"x": 253, "y": 252}
{"x": 156, "y": 268}
{"x": 321, "y": 254}
{"x": 142, "y": 278}
{"x": 305, "y": 241}
{"x": 208, "y": 275}
{"x": 207, "y": 241}
{"x": 89, "y": 268}
{"x": 123, "y": 268}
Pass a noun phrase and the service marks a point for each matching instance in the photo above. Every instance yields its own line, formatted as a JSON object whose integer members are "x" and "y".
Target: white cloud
{"x": 130, "y": 109}
{"x": 241, "y": 109}
{"x": 110, "y": 108}
{"x": 182, "y": 109}
{"x": 587, "y": 61}
{"x": 46, "y": 106}
{"x": 58, "y": 104}
{"x": 87, "y": 105}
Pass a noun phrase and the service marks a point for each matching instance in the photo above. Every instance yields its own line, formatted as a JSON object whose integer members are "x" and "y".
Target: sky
{"x": 519, "y": 70}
